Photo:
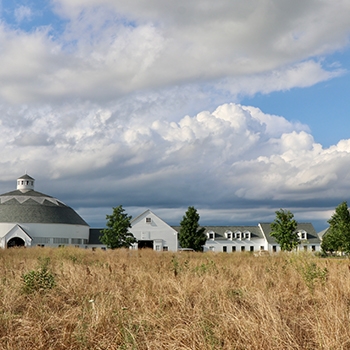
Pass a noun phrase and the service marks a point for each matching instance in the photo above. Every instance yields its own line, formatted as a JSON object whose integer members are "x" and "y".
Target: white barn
{"x": 256, "y": 238}
{"x": 152, "y": 232}
{"x": 30, "y": 218}
{"x": 229, "y": 239}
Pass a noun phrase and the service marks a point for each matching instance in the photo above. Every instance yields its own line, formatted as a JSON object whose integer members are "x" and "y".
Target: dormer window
{"x": 229, "y": 235}
{"x": 211, "y": 235}
{"x": 302, "y": 235}
{"x": 238, "y": 235}
{"x": 246, "y": 234}
{"x": 148, "y": 220}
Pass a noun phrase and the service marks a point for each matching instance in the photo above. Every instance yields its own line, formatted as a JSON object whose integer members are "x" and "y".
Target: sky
{"x": 238, "y": 108}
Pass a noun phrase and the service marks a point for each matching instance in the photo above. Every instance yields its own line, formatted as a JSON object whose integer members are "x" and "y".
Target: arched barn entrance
{"x": 15, "y": 242}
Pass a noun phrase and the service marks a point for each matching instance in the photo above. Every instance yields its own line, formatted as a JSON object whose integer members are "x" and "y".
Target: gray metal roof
{"x": 94, "y": 236}
{"x": 25, "y": 177}
{"x": 35, "y": 207}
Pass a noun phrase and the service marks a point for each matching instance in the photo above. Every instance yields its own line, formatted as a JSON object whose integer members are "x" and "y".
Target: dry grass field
{"x": 79, "y": 299}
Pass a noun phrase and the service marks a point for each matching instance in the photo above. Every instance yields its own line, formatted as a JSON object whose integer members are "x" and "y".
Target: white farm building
{"x": 30, "y": 218}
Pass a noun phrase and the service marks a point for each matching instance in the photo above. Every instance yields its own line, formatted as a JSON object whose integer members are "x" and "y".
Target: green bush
{"x": 312, "y": 274}
{"x": 39, "y": 280}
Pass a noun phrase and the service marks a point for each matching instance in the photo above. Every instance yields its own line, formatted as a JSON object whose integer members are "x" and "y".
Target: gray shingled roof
{"x": 255, "y": 231}
{"x": 35, "y": 207}
{"x": 220, "y": 231}
{"x": 312, "y": 236}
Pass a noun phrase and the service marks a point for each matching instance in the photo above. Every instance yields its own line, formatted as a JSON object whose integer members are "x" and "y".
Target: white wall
{"x": 49, "y": 231}
{"x": 218, "y": 246}
{"x": 157, "y": 231}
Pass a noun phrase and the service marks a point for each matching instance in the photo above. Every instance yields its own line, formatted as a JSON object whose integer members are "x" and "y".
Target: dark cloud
{"x": 127, "y": 104}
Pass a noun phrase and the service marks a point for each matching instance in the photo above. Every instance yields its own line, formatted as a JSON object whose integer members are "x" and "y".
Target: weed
{"x": 40, "y": 279}
{"x": 207, "y": 267}
{"x": 312, "y": 274}
{"x": 175, "y": 265}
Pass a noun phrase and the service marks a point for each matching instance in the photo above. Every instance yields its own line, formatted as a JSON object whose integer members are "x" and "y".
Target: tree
{"x": 117, "y": 234}
{"x": 283, "y": 229}
{"x": 337, "y": 237}
{"x": 191, "y": 236}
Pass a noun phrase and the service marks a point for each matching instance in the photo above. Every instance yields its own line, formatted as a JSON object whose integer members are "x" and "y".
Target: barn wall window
{"x": 60, "y": 240}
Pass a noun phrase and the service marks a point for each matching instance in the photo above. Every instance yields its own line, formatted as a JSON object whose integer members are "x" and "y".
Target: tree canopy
{"x": 337, "y": 237}
{"x": 191, "y": 236}
{"x": 117, "y": 234}
{"x": 283, "y": 229}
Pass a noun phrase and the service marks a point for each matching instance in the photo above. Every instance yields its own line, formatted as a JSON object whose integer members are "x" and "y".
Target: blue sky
{"x": 324, "y": 107}
{"x": 238, "y": 108}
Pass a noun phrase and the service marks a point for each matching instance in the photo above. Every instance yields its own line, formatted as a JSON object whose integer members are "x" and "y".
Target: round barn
{"x": 30, "y": 218}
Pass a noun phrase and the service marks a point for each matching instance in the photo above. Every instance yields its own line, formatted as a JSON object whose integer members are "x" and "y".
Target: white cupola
{"x": 25, "y": 183}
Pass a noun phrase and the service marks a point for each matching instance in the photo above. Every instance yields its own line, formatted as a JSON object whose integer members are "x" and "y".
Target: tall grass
{"x": 146, "y": 300}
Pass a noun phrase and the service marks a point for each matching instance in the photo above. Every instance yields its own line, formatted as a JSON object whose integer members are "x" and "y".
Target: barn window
{"x": 148, "y": 220}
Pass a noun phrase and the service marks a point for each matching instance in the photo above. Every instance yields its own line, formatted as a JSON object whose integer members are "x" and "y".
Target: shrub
{"x": 39, "y": 280}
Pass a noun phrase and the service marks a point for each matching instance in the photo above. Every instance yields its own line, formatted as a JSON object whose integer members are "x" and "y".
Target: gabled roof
{"x": 145, "y": 213}
{"x": 322, "y": 233}
{"x": 149, "y": 213}
{"x": 312, "y": 236}
{"x": 21, "y": 229}
{"x": 25, "y": 177}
